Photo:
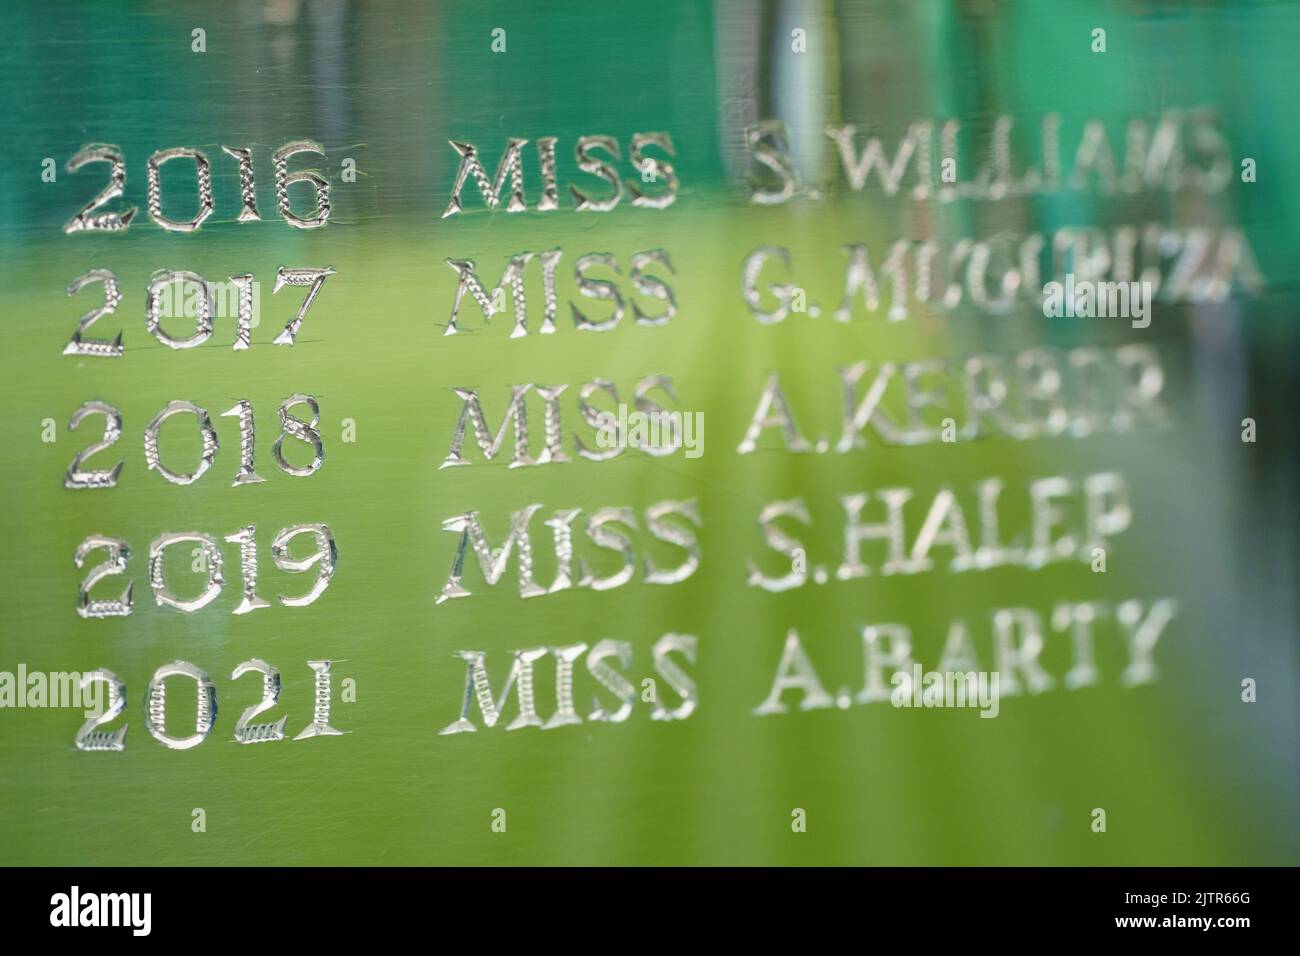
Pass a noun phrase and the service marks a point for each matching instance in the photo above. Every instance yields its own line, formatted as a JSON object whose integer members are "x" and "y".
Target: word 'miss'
{"x": 620, "y": 298}
{"x": 608, "y": 530}
{"x": 585, "y": 155}
{"x": 611, "y": 432}
{"x": 600, "y": 670}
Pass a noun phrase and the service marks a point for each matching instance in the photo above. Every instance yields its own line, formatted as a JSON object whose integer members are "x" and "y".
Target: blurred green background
{"x": 1186, "y": 772}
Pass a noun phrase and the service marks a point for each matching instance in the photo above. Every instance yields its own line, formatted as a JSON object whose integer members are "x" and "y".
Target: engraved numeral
{"x": 153, "y": 309}
{"x": 326, "y": 555}
{"x": 78, "y": 345}
{"x": 209, "y": 435}
{"x": 85, "y": 220}
{"x": 243, "y": 410}
{"x": 244, "y": 322}
{"x": 247, "y": 192}
{"x": 250, "y": 733}
{"x": 304, "y": 430}
{"x": 207, "y": 560}
{"x": 76, "y": 477}
{"x": 247, "y": 569}
{"x": 155, "y": 720}
{"x": 291, "y": 427}
{"x": 203, "y": 170}
{"x": 284, "y": 179}
{"x": 160, "y": 292}
{"x": 88, "y": 738}
{"x": 118, "y": 553}
{"x": 212, "y": 561}
{"x": 320, "y": 722}
{"x": 315, "y": 278}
